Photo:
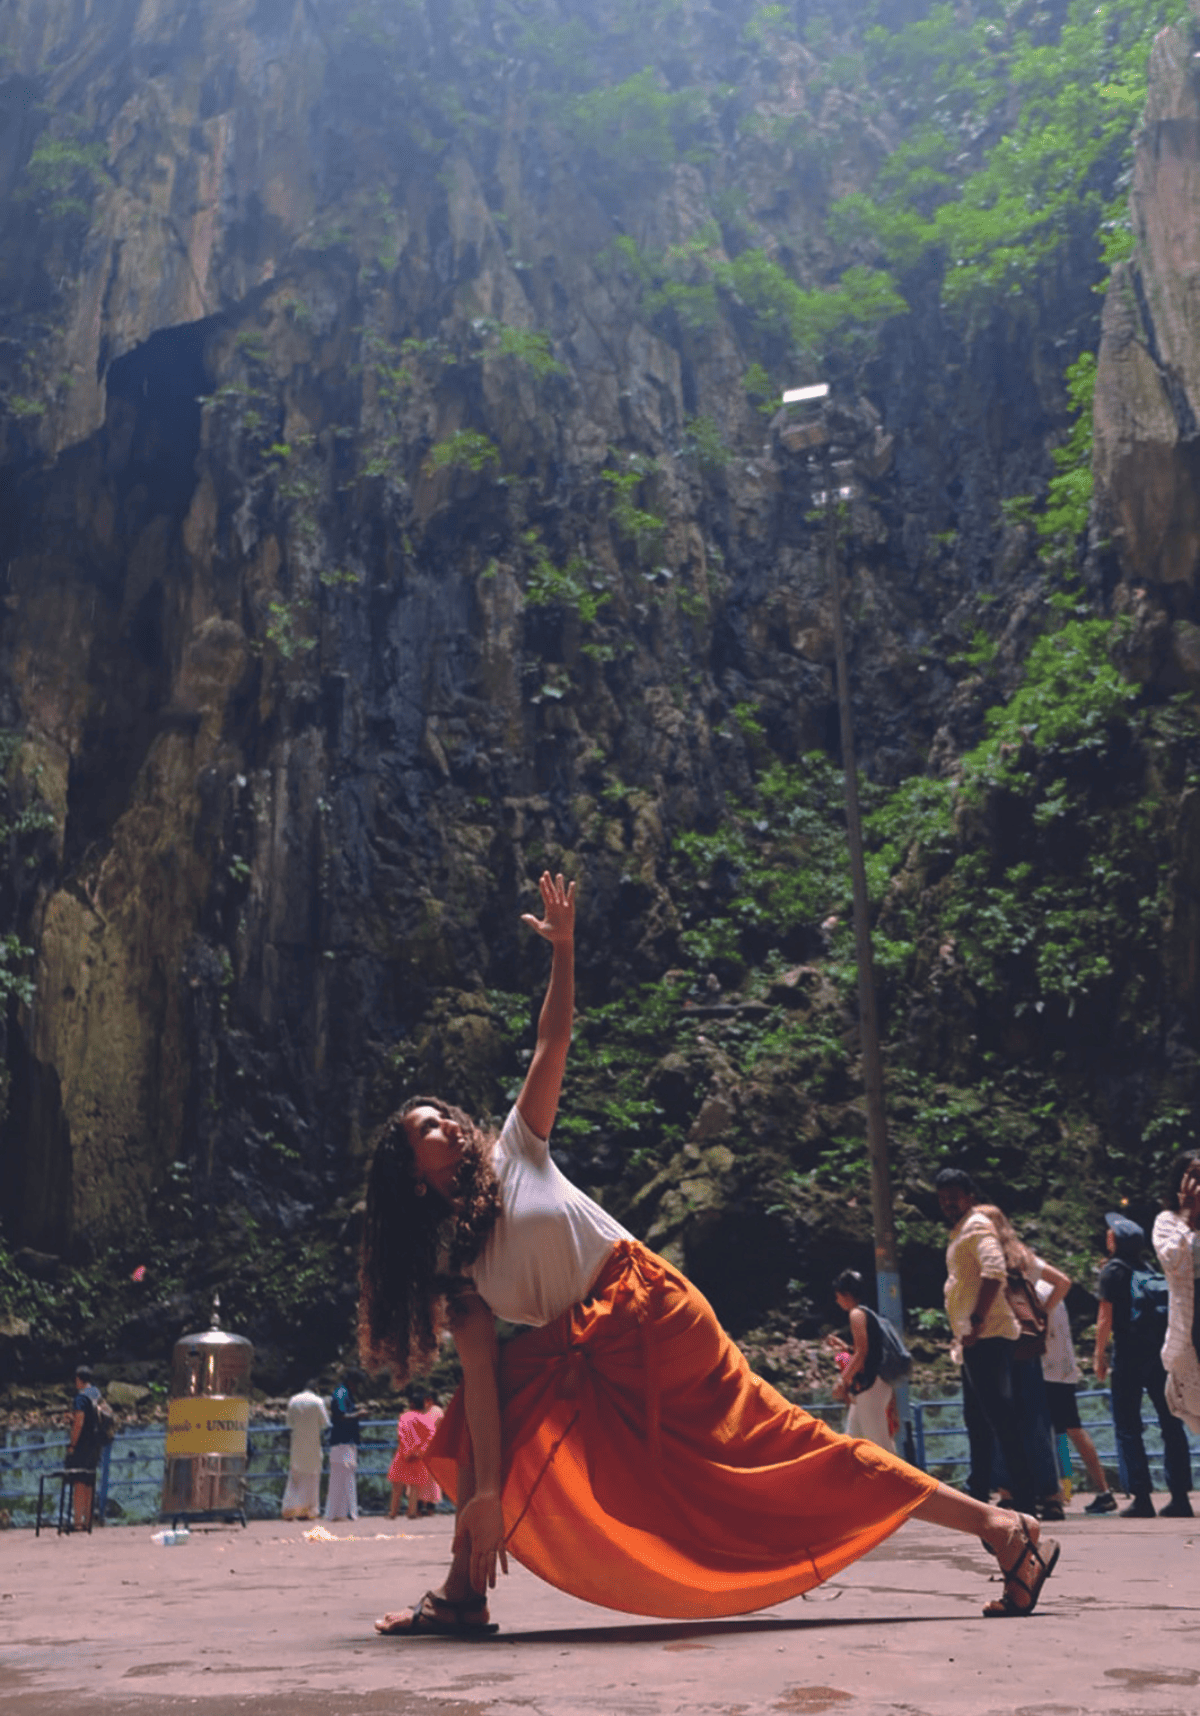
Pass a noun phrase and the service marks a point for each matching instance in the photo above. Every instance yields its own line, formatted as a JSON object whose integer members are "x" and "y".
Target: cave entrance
{"x": 149, "y": 448}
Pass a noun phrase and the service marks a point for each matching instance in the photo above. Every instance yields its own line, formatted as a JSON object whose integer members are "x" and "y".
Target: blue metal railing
{"x": 130, "y": 1477}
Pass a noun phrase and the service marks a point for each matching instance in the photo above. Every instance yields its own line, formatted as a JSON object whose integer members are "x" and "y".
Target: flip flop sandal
{"x": 1045, "y": 1554}
{"x": 425, "y": 1619}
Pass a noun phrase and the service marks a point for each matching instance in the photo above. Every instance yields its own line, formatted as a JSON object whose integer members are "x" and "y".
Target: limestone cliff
{"x": 380, "y": 525}
{"x": 1147, "y": 458}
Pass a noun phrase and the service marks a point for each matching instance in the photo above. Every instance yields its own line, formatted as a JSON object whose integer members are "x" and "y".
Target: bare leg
{"x": 1007, "y": 1534}
{"x": 397, "y": 1492}
{"x": 1091, "y": 1459}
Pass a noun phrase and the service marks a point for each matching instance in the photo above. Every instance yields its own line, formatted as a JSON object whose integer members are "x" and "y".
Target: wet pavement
{"x": 264, "y": 1621}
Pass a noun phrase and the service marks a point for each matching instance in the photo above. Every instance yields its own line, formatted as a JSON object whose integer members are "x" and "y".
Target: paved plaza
{"x": 266, "y": 1622}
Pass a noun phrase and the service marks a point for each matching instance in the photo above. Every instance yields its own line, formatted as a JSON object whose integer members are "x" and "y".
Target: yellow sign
{"x": 207, "y": 1425}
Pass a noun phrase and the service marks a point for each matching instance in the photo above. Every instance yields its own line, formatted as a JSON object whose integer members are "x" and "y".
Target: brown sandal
{"x": 1045, "y": 1555}
{"x": 424, "y": 1618}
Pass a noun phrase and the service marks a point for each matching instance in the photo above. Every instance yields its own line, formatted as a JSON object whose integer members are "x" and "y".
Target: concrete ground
{"x": 263, "y": 1621}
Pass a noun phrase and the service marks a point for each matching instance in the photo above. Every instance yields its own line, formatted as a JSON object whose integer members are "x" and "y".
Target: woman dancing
{"x": 621, "y": 1448}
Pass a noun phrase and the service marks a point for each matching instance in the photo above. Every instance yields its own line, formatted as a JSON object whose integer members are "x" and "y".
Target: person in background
{"x": 83, "y": 1446}
{"x": 408, "y": 1471}
{"x": 868, "y": 1397}
{"x": 1062, "y": 1375}
{"x": 1177, "y": 1245}
{"x": 306, "y": 1418}
{"x": 341, "y": 1499}
{"x": 1137, "y": 1368}
{"x": 984, "y": 1333}
{"x": 1029, "y": 1388}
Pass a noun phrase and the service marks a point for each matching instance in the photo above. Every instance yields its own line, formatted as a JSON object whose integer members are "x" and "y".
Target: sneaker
{"x": 1141, "y": 1507}
{"x": 1179, "y": 1507}
{"x": 1105, "y": 1503}
{"x": 1051, "y": 1510}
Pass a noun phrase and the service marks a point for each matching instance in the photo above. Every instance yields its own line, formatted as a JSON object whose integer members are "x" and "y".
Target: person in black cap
{"x": 1137, "y": 1368}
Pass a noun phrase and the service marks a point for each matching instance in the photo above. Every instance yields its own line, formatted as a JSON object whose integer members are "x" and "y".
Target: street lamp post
{"x": 807, "y": 437}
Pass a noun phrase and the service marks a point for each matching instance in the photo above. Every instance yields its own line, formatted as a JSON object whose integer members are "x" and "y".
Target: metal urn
{"x": 208, "y": 1417}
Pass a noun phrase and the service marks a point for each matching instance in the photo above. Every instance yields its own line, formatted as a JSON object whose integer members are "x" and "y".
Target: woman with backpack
{"x": 1177, "y": 1243}
{"x": 1026, "y": 1272}
{"x": 870, "y": 1400}
{"x": 621, "y": 1448}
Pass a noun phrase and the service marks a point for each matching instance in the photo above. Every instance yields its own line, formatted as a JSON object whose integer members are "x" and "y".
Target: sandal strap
{"x": 459, "y": 1605}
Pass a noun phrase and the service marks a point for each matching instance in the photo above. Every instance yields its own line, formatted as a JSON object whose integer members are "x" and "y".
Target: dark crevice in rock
{"x": 1173, "y": 386}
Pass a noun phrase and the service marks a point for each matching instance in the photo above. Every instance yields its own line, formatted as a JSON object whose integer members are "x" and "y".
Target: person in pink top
{"x": 408, "y": 1471}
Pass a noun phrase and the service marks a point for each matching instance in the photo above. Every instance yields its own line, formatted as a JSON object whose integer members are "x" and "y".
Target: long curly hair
{"x": 1180, "y": 1168}
{"x": 1017, "y": 1254}
{"x": 416, "y": 1247}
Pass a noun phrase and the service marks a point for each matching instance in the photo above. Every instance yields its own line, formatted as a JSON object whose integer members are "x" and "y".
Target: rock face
{"x": 373, "y": 539}
{"x": 1147, "y": 446}
{"x": 1148, "y": 376}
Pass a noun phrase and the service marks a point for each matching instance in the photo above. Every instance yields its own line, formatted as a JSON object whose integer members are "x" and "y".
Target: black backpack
{"x": 99, "y": 1425}
{"x": 1148, "y": 1303}
{"x": 895, "y": 1360}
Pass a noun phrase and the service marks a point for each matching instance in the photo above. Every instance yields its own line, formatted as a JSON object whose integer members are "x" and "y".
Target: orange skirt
{"x": 646, "y": 1468}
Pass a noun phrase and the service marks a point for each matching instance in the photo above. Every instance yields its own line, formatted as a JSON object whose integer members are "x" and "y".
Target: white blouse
{"x": 1178, "y": 1249}
{"x": 551, "y": 1240}
{"x": 1059, "y": 1363}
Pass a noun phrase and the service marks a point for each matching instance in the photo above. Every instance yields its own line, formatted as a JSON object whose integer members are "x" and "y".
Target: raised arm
{"x": 538, "y": 1101}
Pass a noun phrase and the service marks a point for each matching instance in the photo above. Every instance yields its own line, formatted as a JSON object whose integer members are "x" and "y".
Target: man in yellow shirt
{"x": 983, "y": 1332}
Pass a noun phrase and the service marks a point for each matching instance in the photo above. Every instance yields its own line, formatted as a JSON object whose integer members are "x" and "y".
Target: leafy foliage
{"x": 64, "y": 173}
{"x": 1071, "y": 695}
{"x": 637, "y": 525}
{"x": 1018, "y": 132}
{"x": 571, "y": 587}
{"x": 778, "y": 863}
{"x": 1064, "y": 519}
{"x": 808, "y": 320}
{"x": 465, "y": 450}
{"x": 635, "y": 127}
{"x": 704, "y": 443}
{"x": 530, "y": 347}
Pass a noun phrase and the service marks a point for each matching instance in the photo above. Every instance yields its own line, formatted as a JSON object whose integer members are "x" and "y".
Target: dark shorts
{"x": 1064, "y": 1408}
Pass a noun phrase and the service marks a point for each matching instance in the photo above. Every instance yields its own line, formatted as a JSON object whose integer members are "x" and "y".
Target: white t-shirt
{"x": 1058, "y": 1361}
{"x": 551, "y": 1241}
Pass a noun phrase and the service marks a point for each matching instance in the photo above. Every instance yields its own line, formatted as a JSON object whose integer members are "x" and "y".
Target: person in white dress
{"x": 868, "y": 1397}
{"x": 306, "y": 1419}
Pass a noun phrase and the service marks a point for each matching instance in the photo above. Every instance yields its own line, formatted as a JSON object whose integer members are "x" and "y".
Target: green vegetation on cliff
{"x": 493, "y": 568}
{"x": 1018, "y": 131}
